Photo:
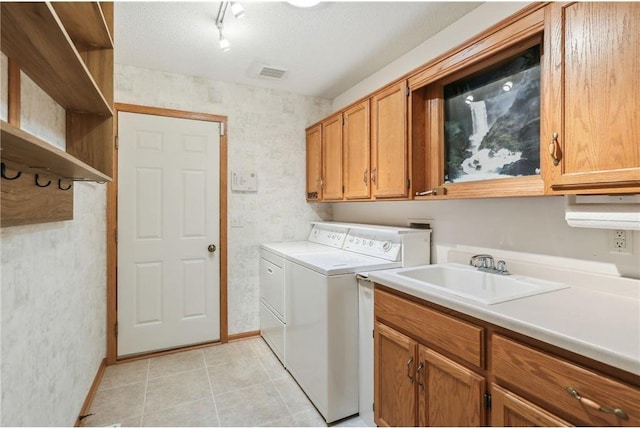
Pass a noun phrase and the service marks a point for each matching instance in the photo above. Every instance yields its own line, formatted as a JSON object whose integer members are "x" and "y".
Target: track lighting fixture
{"x": 225, "y": 46}
{"x": 238, "y": 12}
{"x": 237, "y": 9}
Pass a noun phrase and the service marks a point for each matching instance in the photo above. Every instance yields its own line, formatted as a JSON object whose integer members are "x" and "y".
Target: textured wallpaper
{"x": 266, "y": 136}
{"x": 40, "y": 115}
{"x": 53, "y": 313}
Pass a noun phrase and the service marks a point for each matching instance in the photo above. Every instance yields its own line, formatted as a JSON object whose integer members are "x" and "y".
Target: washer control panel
{"x": 328, "y": 235}
{"x": 385, "y": 246}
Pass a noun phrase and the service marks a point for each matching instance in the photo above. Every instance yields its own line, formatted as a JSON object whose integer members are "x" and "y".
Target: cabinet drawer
{"x": 545, "y": 379}
{"x": 510, "y": 410}
{"x": 462, "y": 339}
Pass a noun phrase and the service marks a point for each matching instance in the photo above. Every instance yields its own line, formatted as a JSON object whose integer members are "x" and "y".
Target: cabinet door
{"x": 389, "y": 149}
{"x": 356, "y": 151}
{"x": 510, "y": 410}
{"x": 314, "y": 163}
{"x": 591, "y": 99}
{"x": 394, "y": 377}
{"x": 448, "y": 393}
{"x": 332, "y": 158}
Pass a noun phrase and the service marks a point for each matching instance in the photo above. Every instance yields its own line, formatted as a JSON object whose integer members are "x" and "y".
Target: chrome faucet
{"x": 486, "y": 263}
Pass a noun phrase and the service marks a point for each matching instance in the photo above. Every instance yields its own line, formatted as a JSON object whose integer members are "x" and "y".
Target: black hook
{"x": 4, "y": 173}
{"x": 60, "y": 185}
{"x": 41, "y": 185}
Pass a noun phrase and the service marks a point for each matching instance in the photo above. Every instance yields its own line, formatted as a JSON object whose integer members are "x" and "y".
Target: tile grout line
{"x": 272, "y": 382}
{"x": 176, "y": 373}
{"x": 255, "y": 357}
{"x": 286, "y": 373}
{"x": 213, "y": 398}
{"x": 146, "y": 387}
{"x": 291, "y": 414}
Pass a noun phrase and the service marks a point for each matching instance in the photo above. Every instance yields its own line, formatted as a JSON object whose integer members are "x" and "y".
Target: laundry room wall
{"x": 53, "y": 294}
{"x": 266, "y": 137}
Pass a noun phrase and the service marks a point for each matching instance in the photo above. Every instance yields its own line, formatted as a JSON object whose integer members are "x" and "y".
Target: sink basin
{"x": 468, "y": 282}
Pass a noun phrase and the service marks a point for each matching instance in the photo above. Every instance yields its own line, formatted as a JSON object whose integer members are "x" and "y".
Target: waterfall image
{"x": 492, "y": 122}
{"x": 483, "y": 164}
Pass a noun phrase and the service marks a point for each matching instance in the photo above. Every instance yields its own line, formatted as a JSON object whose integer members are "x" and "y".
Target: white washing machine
{"x": 273, "y": 314}
{"x": 322, "y": 310}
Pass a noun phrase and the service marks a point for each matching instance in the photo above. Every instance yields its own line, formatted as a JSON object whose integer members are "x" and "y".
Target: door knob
{"x": 211, "y": 248}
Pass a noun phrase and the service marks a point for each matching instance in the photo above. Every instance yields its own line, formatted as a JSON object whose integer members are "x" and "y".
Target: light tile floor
{"x": 235, "y": 384}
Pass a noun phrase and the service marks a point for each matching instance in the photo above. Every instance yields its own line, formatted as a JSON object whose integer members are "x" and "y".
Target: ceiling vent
{"x": 269, "y": 72}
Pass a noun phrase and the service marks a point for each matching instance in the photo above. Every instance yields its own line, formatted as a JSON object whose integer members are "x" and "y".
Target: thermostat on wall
{"x": 244, "y": 181}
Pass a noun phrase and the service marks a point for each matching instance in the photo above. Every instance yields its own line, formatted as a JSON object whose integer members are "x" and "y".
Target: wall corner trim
{"x": 92, "y": 392}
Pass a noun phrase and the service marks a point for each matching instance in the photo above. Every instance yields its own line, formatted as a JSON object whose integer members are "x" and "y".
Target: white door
{"x": 168, "y": 217}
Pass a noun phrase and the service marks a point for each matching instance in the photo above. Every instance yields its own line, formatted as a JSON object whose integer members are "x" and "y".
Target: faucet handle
{"x": 502, "y": 267}
{"x": 480, "y": 260}
{"x": 489, "y": 263}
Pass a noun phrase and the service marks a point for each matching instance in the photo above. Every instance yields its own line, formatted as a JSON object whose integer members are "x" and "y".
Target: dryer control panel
{"x": 330, "y": 235}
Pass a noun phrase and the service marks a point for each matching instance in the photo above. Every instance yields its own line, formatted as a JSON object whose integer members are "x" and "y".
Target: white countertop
{"x": 599, "y": 322}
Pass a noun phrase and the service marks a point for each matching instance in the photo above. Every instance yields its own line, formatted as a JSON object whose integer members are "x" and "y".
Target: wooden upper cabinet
{"x": 394, "y": 377}
{"x": 475, "y": 115}
{"x": 332, "y": 158}
{"x": 449, "y": 394}
{"x": 314, "y": 163}
{"x": 590, "y": 129}
{"x": 356, "y": 144}
{"x": 389, "y": 145}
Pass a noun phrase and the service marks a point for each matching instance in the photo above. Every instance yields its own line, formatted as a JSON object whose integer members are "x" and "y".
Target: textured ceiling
{"x": 326, "y": 49}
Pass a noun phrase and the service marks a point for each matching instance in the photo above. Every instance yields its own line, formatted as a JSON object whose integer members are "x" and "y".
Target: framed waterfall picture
{"x": 492, "y": 121}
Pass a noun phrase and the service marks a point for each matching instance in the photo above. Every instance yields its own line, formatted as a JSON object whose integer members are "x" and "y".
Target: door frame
{"x": 112, "y": 221}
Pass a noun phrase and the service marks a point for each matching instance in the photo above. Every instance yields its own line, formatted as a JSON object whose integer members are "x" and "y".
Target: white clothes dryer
{"x": 273, "y": 315}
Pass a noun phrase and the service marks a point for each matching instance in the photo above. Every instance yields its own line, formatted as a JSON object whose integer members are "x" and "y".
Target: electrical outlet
{"x": 619, "y": 242}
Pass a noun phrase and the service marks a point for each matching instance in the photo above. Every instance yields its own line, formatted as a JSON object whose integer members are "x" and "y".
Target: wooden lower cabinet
{"x": 510, "y": 410}
{"x": 426, "y": 373}
{"x": 448, "y": 393}
{"x": 416, "y": 386}
{"x": 394, "y": 377}
{"x": 583, "y": 396}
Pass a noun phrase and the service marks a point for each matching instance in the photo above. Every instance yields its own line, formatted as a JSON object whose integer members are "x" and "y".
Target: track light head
{"x": 225, "y": 46}
{"x": 237, "y": 9}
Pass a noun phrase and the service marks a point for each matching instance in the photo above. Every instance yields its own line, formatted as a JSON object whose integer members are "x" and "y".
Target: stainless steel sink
{"x": 468, "y": 282}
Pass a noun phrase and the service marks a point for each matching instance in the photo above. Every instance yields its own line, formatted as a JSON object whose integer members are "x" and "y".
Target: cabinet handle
{"x": 593, "y": 405}
{"x": 374, "y": 172}
{"x": 365, "y": 176}
{"x": 418, "y": 370}
{"x": 437, "y": 191}
{"x": 409, "y": 369}
{"x": 554, "y": 149}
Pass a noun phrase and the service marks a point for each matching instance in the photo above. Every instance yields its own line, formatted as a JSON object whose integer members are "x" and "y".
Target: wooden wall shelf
{"x": 34, "y": 36}
{"x": 66, "y": 48}
{"x": 28, "y": 153}
{"x": 74, "y": 17}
